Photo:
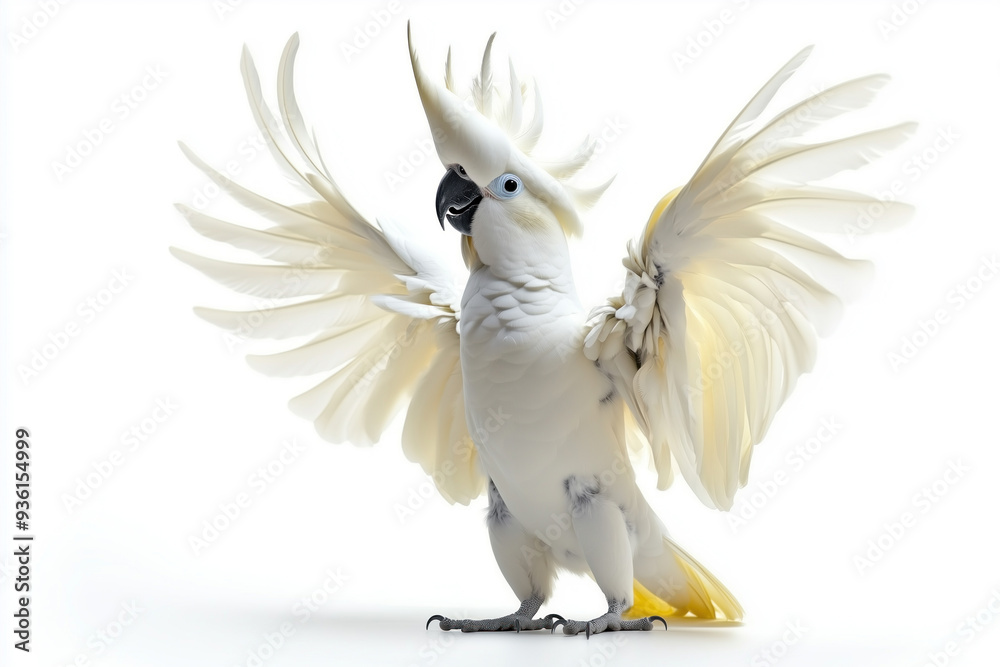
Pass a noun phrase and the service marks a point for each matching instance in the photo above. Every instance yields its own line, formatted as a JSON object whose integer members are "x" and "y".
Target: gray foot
{"x": 522, "y": 619}
{"x": 609, "y": 622}
{"x": 508, "y": 623}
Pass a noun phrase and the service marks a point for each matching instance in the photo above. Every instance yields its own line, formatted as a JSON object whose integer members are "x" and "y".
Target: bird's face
{"x": 504, "y": 201}
{"x": 492, "y": 185}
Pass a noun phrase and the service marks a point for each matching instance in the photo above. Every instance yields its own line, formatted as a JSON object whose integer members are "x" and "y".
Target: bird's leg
{"x": 609, "y": 622}
{"x": 603, "y": 534}
{"x": 522, "y": 619}
{"x": 526, "y": 566}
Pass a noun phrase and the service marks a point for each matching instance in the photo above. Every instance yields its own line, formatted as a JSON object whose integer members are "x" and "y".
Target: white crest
{"x": 495, "y": 131}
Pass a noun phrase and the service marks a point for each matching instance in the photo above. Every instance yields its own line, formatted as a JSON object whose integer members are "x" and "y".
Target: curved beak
{"x": 457, "y": 199}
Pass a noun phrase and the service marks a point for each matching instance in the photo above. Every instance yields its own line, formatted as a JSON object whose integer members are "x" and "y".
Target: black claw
{"x": 588, "y": 629}
{"x": 517, "y": 625}
{"x": 561, "y": 621}
{"x": 660, "y": 619}
{"x": 435, "y": 617}
{"x": 549, "y": 617}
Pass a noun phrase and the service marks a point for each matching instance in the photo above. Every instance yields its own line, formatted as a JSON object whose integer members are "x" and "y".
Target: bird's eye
{"x": 506, "y": 186}
{"x": 460, "y": 170}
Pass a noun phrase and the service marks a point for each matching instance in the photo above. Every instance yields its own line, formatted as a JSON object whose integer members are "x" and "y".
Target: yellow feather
{"x": 658, "y": 210}
{"x": 706, "y": 601}
{"x": 646, "y": 604}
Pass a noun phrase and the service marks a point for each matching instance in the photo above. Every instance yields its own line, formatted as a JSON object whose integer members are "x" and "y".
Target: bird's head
{"x": 492, "y": 186}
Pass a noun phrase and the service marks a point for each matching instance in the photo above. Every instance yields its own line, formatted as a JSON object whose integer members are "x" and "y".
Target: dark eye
{"x": 461, "y": 170}
{"x": 506, "y": 186}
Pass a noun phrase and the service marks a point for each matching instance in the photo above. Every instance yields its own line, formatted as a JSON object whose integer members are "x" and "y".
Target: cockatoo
{"x": 510, "y": 387}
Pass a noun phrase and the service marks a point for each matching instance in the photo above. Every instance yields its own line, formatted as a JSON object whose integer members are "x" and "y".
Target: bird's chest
{"x": 513, "y": 335}
{"x": 524, "y": 374}
{"x": 507, "y": 334}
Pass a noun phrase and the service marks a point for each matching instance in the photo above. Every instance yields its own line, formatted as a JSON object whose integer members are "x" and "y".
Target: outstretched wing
{"x": 725, "y": 294}
{"x": 378, "y": 312}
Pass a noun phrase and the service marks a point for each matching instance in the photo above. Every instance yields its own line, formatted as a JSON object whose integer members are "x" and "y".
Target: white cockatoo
{"x": 509, "y": 385}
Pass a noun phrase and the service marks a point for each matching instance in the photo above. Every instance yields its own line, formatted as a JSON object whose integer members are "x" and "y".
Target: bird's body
{"x": 542, "y": 413}
{"x": 722, "y": 304}
{"x": 549, "y": 428}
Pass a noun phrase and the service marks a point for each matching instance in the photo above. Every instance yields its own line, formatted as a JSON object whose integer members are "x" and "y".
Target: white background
{"x": 337, "y": 508}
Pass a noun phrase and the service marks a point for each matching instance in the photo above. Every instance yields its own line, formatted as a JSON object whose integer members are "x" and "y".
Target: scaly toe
{"x": 610, "y": 622}
{"x": 510, "y": 623}
{"x": 574, "y": 627}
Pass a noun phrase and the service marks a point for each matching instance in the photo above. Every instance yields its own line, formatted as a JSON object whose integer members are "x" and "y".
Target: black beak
{"x": 457, "y": 199}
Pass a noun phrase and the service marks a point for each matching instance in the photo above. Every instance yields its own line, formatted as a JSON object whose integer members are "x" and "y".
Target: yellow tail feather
{"x": 646, "y": 604}
{"x": 704, "y": 598}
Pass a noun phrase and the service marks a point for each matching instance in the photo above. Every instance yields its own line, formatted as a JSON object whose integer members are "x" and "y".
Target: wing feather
{"x": 379, "y": 311}
{"x": 726, "y": 292}
{"x": 296, "y": 319}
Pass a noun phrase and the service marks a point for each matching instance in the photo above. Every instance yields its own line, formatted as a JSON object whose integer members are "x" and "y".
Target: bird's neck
{"x": 525, "y": 257}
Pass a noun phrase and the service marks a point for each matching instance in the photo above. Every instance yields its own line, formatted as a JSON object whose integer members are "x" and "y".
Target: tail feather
{"x": 673, "y": 584}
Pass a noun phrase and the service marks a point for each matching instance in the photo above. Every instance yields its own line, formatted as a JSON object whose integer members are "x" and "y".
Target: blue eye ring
{"x": 505, "y": 186}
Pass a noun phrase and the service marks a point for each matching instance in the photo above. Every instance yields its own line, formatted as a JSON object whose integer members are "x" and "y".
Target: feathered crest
{"x": 515, "y": 121}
